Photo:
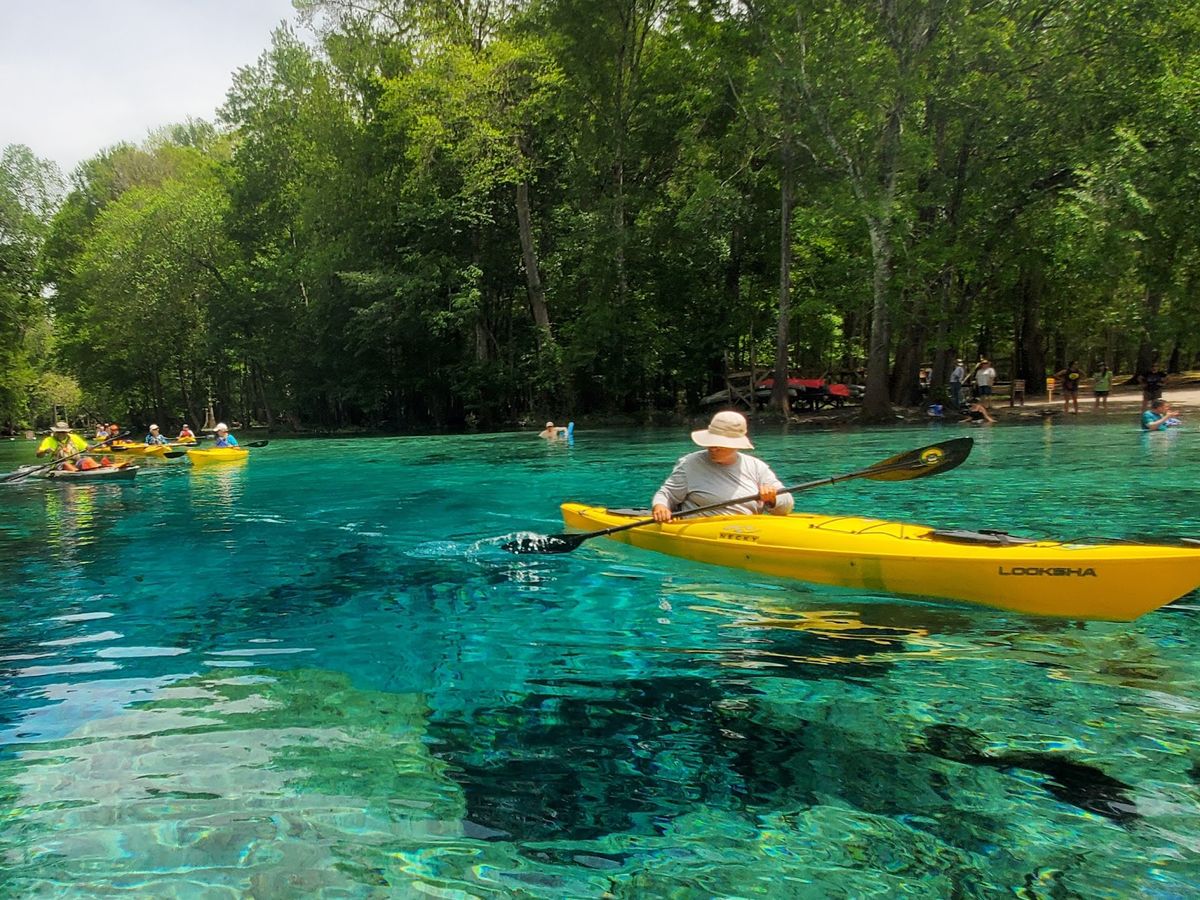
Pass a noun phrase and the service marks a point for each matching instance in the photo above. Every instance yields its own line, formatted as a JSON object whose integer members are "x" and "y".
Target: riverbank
{"x": 1123, "y": 402}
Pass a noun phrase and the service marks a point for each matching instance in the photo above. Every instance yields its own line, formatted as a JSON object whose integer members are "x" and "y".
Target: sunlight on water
{"x": 319, "y": 674}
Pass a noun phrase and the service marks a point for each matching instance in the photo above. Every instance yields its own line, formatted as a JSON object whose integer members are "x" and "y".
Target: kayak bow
{"x": 1049, "y": 578}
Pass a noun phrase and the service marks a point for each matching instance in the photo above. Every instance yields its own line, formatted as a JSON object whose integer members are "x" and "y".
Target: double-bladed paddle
{"x": 175, "y": 454}
{"x": 919, "y": 463}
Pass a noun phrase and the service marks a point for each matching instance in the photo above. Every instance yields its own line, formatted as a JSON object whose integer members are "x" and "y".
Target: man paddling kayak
{"x": 61, "y": 442}
{"x": 65, "y": 446}
{"x": 719, "y": 472}
{"x": 224, "y": 438}
{"x": 155, "y": 438}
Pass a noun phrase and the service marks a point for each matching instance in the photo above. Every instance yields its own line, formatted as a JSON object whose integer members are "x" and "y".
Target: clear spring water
{"x": 318, "y": 675}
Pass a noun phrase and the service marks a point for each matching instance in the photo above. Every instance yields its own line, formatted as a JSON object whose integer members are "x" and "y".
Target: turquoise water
{"x": 318, "y": 675}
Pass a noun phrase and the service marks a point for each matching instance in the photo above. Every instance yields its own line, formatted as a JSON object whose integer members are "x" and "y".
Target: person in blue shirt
{"x": 1159, "y": 417}
{"x": 224, "y": 438}
{"x": 154, "y": 437}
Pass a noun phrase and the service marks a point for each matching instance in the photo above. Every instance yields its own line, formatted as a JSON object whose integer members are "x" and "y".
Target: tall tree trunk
{"x": 1151, "y": 304}
{"x": 910, "y": 354}
{"x": 160, "y": 403}
{"x": 1173, "y": 362}
{"x": 876, "y": 405}
{"x": 262, "y": 394}
{"x": 940, "y": 377}
{"x": 1031, "y": 344}
{"x": 187, "y": 397}
{"x": 533, "y": 277}
{"x": 779, "y": 394}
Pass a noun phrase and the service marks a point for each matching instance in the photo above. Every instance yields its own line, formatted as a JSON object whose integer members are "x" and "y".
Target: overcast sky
{"x": 80, "y": 75}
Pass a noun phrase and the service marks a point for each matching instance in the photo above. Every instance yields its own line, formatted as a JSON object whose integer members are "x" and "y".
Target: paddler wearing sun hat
{"x": 61, "y": 442}
{"x": 720, "y": 472}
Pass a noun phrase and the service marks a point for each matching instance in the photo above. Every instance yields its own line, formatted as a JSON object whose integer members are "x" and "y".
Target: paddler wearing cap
{"x": 223, "y": 437}
{"x": 154, "y": 437}
{"x": 62, "y": 442}
{"x": 553, "y": 432}
{"x": 719, "y": 472}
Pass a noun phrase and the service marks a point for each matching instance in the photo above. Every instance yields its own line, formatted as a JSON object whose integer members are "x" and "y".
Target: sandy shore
{"x": 1124, "y": 402}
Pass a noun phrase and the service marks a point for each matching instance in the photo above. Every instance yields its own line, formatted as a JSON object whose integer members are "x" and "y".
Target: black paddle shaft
{"x": 925, "y": 461}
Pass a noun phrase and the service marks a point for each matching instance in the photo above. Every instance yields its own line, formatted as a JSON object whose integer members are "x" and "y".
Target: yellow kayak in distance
{"x": 139, "y": 450}
{"x": 211, "y": 455}
{"x": 1115, "y": 582}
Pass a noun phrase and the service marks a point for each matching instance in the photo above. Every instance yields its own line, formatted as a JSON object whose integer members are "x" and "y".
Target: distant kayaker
{"x": 553, "y": 432}
{"x": 61, "y": 443}
{"x": 101, "y": 431}
{"x": 114, "y": 431}
{"x": 1159, "y": 416}
{"x": 154, "y": 437}
{"x": 224, "y": 438}
{"x": 185, "y": 433}
{"x": 719, "y": 472}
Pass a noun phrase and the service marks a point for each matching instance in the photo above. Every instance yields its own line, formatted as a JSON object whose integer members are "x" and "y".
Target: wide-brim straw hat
{"x": 726, "y": 429}
{"x": 60, "y": 425}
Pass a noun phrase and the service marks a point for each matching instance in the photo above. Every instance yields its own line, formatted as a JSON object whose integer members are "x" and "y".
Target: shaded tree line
{"x": 427, "y": 214}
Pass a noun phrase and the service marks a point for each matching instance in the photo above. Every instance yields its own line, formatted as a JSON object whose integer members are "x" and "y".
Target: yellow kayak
{"x": 1080, "y": 581}
{"x": 142, "y": 450}
{"x": 217, "y": 455}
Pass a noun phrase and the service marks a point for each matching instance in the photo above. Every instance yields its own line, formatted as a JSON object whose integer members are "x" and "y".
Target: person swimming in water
{"x": 1159, "y": 417}
{"x": 553, "y": 432}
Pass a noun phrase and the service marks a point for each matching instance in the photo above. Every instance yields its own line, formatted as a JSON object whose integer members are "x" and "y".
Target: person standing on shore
{"x": 956, "y": 383}
{"x": 985, "y": 377}
{"x": 1071, "y": 376}
{"x": 1152, "y": 383}
{"x": 1103, "y": 385}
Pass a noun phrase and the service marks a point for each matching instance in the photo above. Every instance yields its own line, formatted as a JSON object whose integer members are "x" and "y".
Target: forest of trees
{"x": 425, "y": 214}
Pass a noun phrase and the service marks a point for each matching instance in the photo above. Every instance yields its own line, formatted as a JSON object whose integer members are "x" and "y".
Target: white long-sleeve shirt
{"x": 698, "y": 481}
